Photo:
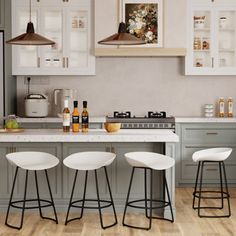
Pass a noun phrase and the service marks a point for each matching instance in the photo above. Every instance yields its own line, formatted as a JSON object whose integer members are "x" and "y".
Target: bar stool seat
{"x": 31, "y": 161}
{"x": 87, "y": 161}
{"x": 148, "y": 161}
{"x": 211, "y": 155}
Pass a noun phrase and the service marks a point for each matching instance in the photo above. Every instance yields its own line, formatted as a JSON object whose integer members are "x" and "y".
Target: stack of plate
{"x": 209, "y": 110}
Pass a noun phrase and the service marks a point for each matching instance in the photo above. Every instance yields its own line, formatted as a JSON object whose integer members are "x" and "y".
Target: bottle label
{"x": 75, "y": 119}
{"x": 66, "y": 119}
{"x": 85, "y": 120}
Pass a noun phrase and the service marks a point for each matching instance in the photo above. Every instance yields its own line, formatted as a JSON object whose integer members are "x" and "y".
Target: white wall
{"x": 141, "y": 84}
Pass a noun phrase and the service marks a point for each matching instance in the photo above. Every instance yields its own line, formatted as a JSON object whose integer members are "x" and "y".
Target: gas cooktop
{"x": 153, "y": 120}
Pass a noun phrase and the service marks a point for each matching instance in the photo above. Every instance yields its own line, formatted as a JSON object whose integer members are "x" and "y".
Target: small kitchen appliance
{"x": 60, "y": 95}
{"x": 36, "y": 105}
{"x": 153, "y": 120}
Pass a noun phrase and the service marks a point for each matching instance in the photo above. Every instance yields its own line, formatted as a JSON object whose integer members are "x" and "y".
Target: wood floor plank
{"x": 186, "y": 224}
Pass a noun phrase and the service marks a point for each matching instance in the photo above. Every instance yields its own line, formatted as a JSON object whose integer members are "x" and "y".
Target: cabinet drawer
{"x": 211, "y": 171}
{"x": 204, "y": 135}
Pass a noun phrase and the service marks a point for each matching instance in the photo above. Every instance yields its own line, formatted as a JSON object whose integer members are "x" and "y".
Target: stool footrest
{"x": 13, "y": 204}
{"x": 108, "y": 204}
{"x": 225, "y": 194}
{"x": 132, "y": 204}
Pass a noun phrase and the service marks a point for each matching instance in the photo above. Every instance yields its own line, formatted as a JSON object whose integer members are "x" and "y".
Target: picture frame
{"x": 144, "y": 19}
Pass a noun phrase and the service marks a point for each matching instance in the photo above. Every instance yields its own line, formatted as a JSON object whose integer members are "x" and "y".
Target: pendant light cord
{"x": 30, "y": 9}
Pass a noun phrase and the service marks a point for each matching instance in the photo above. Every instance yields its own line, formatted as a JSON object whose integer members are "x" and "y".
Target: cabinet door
{"x": 52, "y": 27}
{"x": 225, "y": 35}
{"x": 68, "y": 174}
{"x": 2, "y": 13}
{"x": 26, "y": 59}
{"x": 200, "y": 58}
{"x": 54, "y": 174}
{"x": 78, "y": 46}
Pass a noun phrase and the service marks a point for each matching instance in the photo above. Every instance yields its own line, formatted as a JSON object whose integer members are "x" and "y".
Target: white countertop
{"x": 96, "y": 135}
{"x": 204, "y": 120}
{"x": 101, "y": 119}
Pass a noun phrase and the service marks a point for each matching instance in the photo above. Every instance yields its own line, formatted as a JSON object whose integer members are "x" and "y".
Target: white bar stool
{"x": 31, "y": 161}
{"x": 87, "y": 161}
{"x": 148, "y": 161}
{"x": 218, "y": 155}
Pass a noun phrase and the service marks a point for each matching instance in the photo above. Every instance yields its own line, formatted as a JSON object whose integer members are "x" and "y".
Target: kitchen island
{"x": 63, "y": 144}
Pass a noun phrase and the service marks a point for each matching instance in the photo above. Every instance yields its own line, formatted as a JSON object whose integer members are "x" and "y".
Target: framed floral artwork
{"x": 144, "y": 19}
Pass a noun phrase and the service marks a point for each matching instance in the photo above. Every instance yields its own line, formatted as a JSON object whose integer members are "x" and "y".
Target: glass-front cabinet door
{"x": 226, "y": 44}
{"x": 25, "y": 57}
{"x": 202, "y": 39}
{"x": 77, "y": 37}
{"x": 52, "y": 28}
{"x": 211, "y": 42}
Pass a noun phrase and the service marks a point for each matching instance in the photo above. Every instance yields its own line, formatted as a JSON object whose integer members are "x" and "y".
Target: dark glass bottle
{"x": 85, "y": 118}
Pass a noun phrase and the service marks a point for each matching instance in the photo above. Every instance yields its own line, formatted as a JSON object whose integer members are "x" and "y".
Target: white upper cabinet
{"x": 69, "y": 24}
{"x": 211, "y": 40}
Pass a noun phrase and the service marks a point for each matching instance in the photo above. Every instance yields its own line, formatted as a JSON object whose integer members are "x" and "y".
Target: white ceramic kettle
{"x": 60, "y": 95}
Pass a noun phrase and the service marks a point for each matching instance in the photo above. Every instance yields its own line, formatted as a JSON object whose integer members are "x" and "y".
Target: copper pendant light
{"x": 122, "y": 38}
{"x": 30, "y": 37}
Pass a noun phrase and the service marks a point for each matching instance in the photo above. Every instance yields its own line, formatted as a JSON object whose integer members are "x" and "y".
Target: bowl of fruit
{"x": 11, "y": 125}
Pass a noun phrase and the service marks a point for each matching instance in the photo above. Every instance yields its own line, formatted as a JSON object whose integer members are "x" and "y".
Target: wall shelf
{"x": 140, "y": 52}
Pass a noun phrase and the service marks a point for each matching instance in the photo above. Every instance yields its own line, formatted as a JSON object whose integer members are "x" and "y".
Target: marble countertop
{"x": 101, "y": 119}
{"x": 204, "y": 120}
{"x": 96, "y": 135}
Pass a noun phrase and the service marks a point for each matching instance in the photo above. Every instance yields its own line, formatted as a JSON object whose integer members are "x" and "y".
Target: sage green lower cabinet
{"x": 198, "y": 136}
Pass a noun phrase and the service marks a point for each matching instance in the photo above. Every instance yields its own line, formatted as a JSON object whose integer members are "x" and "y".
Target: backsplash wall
{"x": 139, "y": 85}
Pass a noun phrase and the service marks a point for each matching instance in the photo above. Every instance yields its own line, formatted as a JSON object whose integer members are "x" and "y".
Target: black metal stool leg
{"x": 169, "y": 200}
{"x": 71, "y": 197}
{"x": 227, "y": 190}
{"x": 84, "y": 194}
{"x": 196, "y": 183}
{"x": 37, "y": 191}
{"x": 145, "y": 191}
{"x": 53, "y": 205}
{"x": 9, "y": 205}
{"x": 151, "y": 186}
{"x": 98, "y": 198}
{"x": 112, "y": 202}
{"x": 127, "y": 198}
{"x": 221, "y": 187}
{"x": 200, "y": 190}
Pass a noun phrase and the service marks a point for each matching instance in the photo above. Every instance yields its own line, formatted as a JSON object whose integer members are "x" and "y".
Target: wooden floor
{"x": 187, "y": 223}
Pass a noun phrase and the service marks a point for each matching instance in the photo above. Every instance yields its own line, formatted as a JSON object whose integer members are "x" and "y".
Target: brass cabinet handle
{"x": 212, "y": 133}
{"x": 212, "y": 62}
{"x": 38, "y": 62}
{"x": 67, "y": 62}
{"x": 64, "y": 62}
